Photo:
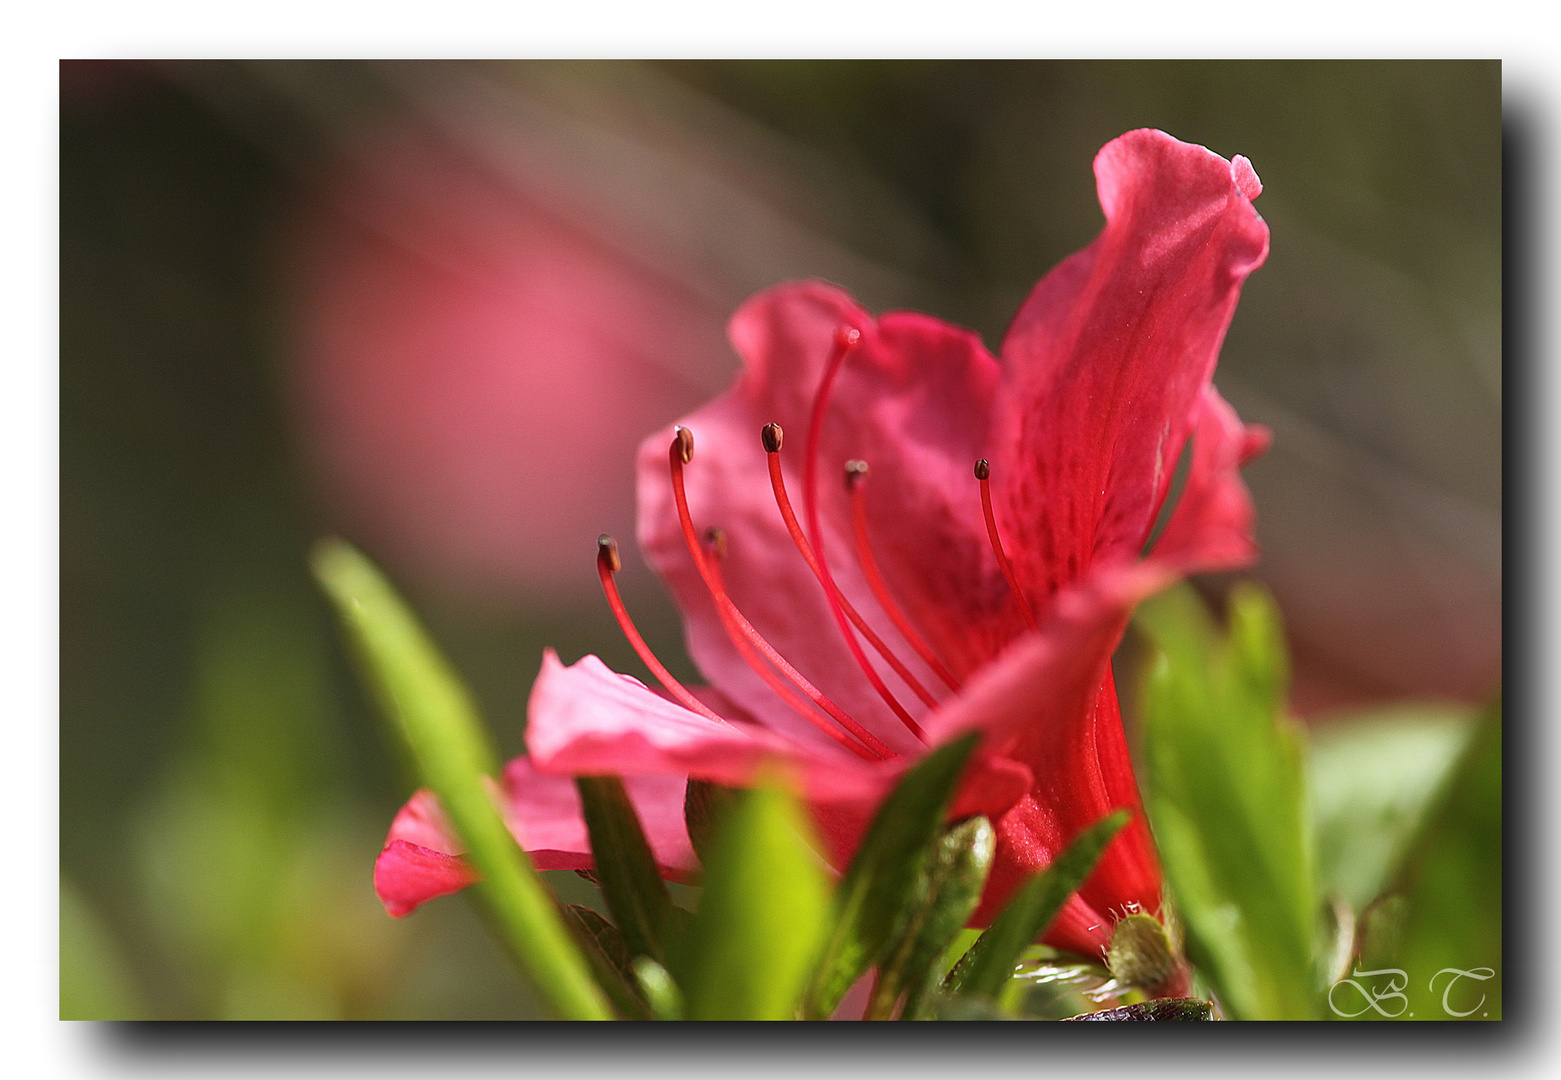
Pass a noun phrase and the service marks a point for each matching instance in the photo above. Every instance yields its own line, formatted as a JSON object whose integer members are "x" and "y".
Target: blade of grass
{"x": 749, "y": 951}
{"x": 437, "y": 720}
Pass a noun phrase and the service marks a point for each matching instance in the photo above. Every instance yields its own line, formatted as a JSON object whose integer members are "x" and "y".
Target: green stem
{"x": 880, "y": 1004}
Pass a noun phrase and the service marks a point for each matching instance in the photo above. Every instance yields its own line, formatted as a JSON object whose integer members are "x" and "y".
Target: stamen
{"x": 846, "y": 339}
{"x": 875, "y": 581}
{"x": 749, "y": 643}
{"x": 983, "y": 474}
{"x": 772, "y": 437}
{"x": 607, "y": 564}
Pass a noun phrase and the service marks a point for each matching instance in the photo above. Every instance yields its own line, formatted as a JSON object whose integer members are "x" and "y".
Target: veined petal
{"x": 586, "y": 719}
{"x": 1210, "y": 527}
{"x": 1106, "y": 361}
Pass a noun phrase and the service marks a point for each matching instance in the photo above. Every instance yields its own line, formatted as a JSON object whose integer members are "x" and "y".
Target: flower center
{"x": 708, "y": 551}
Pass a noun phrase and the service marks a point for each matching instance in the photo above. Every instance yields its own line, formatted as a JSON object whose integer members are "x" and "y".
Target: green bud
{"x": 1140, "y": 955}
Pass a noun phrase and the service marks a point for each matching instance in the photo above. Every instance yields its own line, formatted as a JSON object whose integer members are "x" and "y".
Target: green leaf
{"x": 1373, "y": 779}
{"x": 1159, "y": 1009}
{"x": 655, "y": 982}
{"x": 1225, "y": 793}
{"x": 949, "y": 890}
{"x": 435, "y": 717}
{"x": 611, "y": 958}
{"x": 1443, "y": 927}
{"x": 625, "y": 867}
{"x": 873, "y": 895}
{"x": 762, "y": 916}
{"x": 986, "y": 968}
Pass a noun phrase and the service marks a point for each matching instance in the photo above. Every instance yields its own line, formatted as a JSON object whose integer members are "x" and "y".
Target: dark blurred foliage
{"x": 224, "y": 788}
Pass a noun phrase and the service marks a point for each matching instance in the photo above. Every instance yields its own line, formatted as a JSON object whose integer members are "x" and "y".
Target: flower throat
{"x": 707, "y": 551}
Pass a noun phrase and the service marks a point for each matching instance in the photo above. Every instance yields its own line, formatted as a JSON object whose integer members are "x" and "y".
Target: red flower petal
{"x": 1107, "y": 359}
{"x": 407, "y": 875}
{"x": 586, "y": 719}
{"x": 913, "y": 401}
{"x": 421, "y": 859}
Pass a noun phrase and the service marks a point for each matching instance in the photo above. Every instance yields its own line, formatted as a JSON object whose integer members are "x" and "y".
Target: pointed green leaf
{"x": 873, "y": 895}
{"x": 1373, "y": 779}
{"x": 949, "y": 890}
{"x": 762, "y": 916}
{"x": 986, "y": 968}
{"x": 625, "y": 867}
{"x": 1226, "y": 796}
{"x": 1453, "y": 886}
{"x": 436, "y": 719}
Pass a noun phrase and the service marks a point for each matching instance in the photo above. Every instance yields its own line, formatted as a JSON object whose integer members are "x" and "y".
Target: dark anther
{"x": 772, "y": 436}
{"x": 983, "y": 470}
{"x": 684, "y": 439}
{"x": 607, "y": 548}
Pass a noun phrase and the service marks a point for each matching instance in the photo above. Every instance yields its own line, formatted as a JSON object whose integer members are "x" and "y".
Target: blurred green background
{"x": 433, "y": 306}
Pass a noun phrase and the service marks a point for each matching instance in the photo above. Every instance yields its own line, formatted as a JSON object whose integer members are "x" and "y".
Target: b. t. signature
{"x": 1383, "y": 989}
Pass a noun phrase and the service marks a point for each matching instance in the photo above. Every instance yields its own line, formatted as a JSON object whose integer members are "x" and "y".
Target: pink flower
{"x": 457, "y": 341}
{"x": 991, "y": 546}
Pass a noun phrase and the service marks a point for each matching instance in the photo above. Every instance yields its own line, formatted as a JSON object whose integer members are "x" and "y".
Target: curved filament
{"x": 749, "y": 643}
{"x": 845, "y": 341}
{"x": 783, "y": 501}
{"x": 607, "y": 564}
{"x": 983, "y": 474}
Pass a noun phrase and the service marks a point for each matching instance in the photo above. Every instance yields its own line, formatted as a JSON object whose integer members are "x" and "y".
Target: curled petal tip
{"x": 1255, "y": 442}
{"x": 1245, "y": 177}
